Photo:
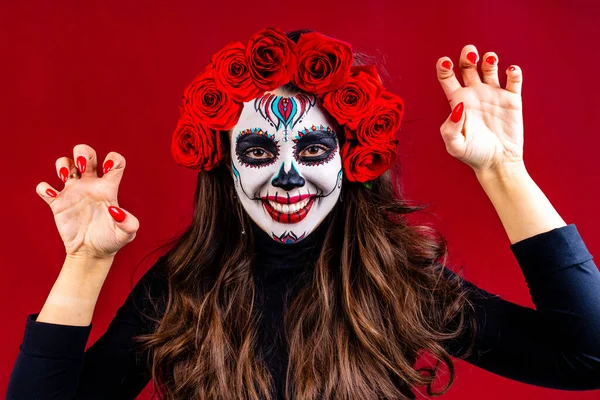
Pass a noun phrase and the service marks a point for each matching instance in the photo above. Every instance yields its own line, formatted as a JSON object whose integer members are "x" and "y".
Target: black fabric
{"x": 557, "y": 345}
{"x": 280, "y": 271}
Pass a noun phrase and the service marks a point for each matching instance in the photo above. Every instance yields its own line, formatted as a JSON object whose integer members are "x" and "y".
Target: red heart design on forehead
{"x": 285, "y": 109}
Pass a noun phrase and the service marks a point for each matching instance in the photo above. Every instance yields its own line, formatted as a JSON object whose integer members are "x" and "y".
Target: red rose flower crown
{"x": 368, "y": 115}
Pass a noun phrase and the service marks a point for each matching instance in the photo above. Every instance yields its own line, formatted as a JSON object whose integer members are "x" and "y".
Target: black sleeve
{"x": 557, "y": 345}
{"x": 53, "y": 363}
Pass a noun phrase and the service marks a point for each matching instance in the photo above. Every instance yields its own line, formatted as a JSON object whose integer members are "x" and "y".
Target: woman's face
{"x": 286, "y": 164}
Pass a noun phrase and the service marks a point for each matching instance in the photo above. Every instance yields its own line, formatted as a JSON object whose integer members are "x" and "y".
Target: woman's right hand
{"x": 86, "y": 211}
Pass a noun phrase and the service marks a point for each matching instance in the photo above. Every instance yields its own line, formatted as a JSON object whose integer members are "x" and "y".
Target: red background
{"x": 111, "y": 76}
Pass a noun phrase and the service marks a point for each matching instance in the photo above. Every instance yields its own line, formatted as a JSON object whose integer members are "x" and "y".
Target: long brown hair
{"x": 377, "y": 300}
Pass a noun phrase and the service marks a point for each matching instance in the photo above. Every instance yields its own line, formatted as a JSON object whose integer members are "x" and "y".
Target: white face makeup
{"x": 286, "y": 164}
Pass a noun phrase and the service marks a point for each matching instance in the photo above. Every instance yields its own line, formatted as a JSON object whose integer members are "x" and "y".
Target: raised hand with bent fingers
{"x": 86, "y": 211}
{"x": 485, "y": 128}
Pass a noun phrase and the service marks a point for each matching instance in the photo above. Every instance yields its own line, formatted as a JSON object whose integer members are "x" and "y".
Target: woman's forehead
{"x": 280, "y": 112}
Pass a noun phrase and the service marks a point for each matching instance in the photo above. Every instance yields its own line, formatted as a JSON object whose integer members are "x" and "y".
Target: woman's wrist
{"x": 503, "y": 175}
{"x": 88, "y": 268}
{"x": 74, "y": 295}
{"x": 522, "y": 207}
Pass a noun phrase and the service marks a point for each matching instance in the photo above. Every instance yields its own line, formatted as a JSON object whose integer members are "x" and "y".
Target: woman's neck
{"x": 275, "y": 257}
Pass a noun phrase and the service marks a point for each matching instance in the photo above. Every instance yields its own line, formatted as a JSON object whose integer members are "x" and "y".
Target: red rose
{"x": 271, "y": 57}
{"x": 323, "y": 63}
{"x": 211, "y": 106}
{"x": 357, "y": 98}
{"x": 382, "y": 122}
{"x": 196, "y": 146}
{"x": 232, "y": 74}
{"x": 364, "y": 163}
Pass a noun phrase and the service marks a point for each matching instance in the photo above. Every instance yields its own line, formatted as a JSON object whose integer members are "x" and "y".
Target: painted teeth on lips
{"x": 289, "y": 208}
{"x": 287, "y": 200}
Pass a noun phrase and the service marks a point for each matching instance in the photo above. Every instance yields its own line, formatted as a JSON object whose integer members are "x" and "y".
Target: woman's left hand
{"x": 488, "y": 133}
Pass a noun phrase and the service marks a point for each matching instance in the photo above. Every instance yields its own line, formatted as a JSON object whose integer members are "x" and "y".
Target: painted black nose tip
{"x": 288, "y": 180}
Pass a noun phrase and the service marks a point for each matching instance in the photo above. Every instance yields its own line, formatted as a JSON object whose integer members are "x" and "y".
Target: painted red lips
{"x": 287, "y": 199}
{"x": 288, "y": 210}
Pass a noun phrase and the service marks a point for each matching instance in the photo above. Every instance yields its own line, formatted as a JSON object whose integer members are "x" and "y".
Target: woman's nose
{"x": 288, "y": 180}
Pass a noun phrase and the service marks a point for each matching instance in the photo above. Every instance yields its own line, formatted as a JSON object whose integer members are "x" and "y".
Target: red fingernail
{"x": 81, "y": 164}
{"x": 447, "y": 64}
{"x": 117, "y": 213}
{"x": 457, "y": 112}
{"x": 472, "y": 57}
{"x": 50, "y": 192}
{"x": 511, "y": 68}
{"x": 107, "y": 166}
{"x": 64, "y": 174}
{"x": 491, "y": 60}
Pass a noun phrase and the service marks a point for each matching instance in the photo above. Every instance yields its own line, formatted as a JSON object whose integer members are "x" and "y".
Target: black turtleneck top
{"x": 281, "y": 270}
{"x": 556, "y": 345}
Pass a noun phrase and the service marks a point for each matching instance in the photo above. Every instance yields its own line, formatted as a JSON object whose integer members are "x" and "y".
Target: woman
{"x": 299, "y": 274}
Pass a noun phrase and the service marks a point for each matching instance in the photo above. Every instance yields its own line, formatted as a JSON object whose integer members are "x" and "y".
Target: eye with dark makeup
{"x": 257, "y": 153}
{"x": 255, "y": 150}
{"x": 316, "y": 147}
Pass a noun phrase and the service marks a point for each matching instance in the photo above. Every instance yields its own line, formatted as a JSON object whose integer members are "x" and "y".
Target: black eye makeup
{"x": 315, "y": 146}
{"x": 256, "y": 148}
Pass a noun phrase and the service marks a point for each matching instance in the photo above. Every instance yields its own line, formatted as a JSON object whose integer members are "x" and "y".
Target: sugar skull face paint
{"x": 286, "y": 164}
